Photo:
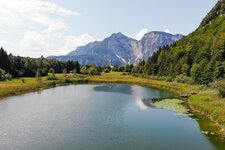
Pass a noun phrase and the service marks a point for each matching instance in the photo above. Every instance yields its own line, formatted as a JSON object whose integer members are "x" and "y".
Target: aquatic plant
{"x": 172, "y": 104}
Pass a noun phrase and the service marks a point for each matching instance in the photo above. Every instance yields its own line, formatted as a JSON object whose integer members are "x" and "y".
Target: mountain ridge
{"x": 120, "y": 49}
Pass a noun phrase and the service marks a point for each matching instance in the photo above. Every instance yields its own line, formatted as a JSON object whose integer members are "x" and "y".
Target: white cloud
{"x": 6, "y": 44}
{"x": 59, "y": 26}
{"x": 44, "y": 27}
{"x": 167, "y": 31}
{"x": 18, "y": 12}
{"x": 72, "y": 42}
{"x": 45, "y": 43}
{"x": 142, "y": 32}
{"x": 45, "y": 30}
{"x": 38, "y": 43}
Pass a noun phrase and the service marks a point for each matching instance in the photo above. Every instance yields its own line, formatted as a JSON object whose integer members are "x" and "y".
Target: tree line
{"x": 16, "y": 66}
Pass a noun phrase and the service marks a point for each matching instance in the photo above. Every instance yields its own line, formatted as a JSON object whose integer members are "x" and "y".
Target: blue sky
{"x": 54, "y": 27}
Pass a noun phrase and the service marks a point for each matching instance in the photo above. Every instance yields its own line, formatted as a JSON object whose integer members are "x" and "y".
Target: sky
{"x": 37, "y": 28}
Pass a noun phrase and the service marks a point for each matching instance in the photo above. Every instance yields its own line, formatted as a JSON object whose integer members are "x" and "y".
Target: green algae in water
{"x": 173, "y": 104}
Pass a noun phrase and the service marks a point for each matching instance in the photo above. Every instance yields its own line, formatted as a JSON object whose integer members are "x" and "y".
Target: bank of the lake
{"x": 202, "y": 99}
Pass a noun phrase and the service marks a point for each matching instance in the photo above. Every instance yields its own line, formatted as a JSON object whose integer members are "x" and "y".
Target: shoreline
{"x": 194, "y": 100}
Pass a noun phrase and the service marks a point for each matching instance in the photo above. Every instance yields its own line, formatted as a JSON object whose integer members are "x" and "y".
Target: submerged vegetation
{"x": 172, "y": 104}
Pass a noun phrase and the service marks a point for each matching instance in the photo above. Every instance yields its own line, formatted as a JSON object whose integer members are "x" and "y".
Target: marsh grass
{"x": 210, "y": 104}
{"x": 20, "y": 86}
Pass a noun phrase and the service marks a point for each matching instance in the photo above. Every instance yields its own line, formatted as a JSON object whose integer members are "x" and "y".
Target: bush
{"x": 23, "y": 80}
{"x": 52, "y": 78}
{"x": 220, "y": 85}
{"x": 5, "y": 76}
{"x": 106, "y": 71}
{"x": 51, "y": 70}
{"x": 44, "y": 72}
{"x": 93, "y": 71}
{"x": 167, "y": 79}
{"x": 135, "y": 74}
{"x": 184, "y": 79}
{"x": 2, "y": 75}
{"x": 8, "y": 76}
{"x": 124, "y": 74}
{"x": 38, "y": 76}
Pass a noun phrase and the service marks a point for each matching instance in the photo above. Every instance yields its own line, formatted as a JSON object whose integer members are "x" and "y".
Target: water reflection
{"x": 114, "y": 88}
{"x": 140, "y": 103}
{"x": 143, "y": 96}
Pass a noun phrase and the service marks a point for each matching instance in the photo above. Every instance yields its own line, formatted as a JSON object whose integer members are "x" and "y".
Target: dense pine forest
{"x": 16, "y": 66}
{"x": 199, "y": 56}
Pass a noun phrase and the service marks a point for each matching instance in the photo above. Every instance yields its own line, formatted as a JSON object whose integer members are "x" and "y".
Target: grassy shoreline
{"x": 205, "y": 101}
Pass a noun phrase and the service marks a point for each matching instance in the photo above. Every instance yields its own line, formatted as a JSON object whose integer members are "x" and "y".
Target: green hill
{"x": 200, "y": 55}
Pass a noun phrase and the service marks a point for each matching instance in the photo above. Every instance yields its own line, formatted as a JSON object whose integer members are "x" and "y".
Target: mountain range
{"x": 120, "y": 49}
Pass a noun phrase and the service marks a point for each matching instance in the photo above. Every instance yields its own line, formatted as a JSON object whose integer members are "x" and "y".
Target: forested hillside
{"x": 200, "y": 55}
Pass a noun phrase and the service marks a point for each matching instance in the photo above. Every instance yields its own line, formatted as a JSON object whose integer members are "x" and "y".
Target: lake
{"x": 97, "y": 117}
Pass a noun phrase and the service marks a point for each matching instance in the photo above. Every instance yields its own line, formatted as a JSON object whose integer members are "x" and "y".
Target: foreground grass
{"x": 16, "y": 86}
{"x": 203, "y": 100}
{"x": 208, "y": 103}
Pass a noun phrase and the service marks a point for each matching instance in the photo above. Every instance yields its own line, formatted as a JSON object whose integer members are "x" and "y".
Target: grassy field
{"x": 203, "y": 100}
{"x": 17, "y": 86}
{"x": 208, "y": 103}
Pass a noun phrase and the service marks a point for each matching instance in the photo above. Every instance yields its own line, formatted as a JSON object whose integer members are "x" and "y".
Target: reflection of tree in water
{"x": 148, "y": 102}
{"x": 114, "y": 88}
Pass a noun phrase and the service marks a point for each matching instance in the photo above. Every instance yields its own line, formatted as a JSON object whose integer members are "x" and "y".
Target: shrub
{"x": 93, "y": 71}
{"x": 51, "y": 70}
{"x": 106, "y": 71}
{"x": 52, "y": 78}
{"x": 2, "y": 75}
{"x": 5, "y": 76}
{"x": 44, "y": 72}
{"x": 220, "y": 85}
{"x": 8, "y": 76}
{"x": 124, "y": 74}
{"x": 38, "y": 76}
{"x": 23, "y": 80}
{"x": 167, "y": 79}
{"x": 135, "y": 74}
{"x": 184, "y": 79}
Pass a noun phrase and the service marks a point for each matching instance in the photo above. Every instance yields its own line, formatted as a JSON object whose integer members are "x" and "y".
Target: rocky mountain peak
{"x": 120, "y": 49}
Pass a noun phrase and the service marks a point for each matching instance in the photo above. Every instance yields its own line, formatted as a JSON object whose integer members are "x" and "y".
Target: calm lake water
{"x": 96, "y": 117}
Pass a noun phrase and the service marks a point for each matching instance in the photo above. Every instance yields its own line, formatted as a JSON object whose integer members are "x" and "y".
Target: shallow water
{"x": 96, "y": 117}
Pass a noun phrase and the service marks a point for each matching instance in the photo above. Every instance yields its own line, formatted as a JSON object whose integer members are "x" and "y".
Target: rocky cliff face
{"x": 120, "y": 49}
{"x": 153, "y": 40}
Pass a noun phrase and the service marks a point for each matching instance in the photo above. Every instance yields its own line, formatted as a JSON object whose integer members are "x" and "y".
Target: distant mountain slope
{"x": 200, "y": 55}
{"x": 152, "y": 41}
{"x": 120, "y": 49}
